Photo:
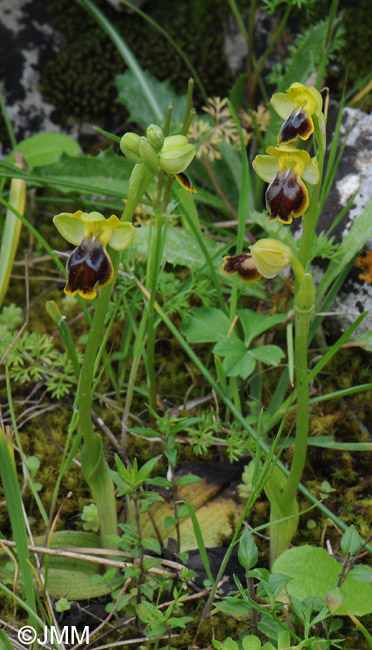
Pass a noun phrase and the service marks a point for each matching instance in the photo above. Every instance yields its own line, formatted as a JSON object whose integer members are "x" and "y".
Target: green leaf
{"x": 188, "y": 479}
{"x": 273, "y": 228}
{"x": 281, "y": 532}
{"x": 247, "y": 551}
{"x": 254, "y": 323}
{"x": 269, "y": 354}
{"x": 147, "y": 468}
{"x": 362, "y": 573}
{"x": 140, "y": 112}
{"x": 230, "y": 346}
{"x": 159, "y": 481}
{"x": 305, "y": 58}
{"x": 363, "y": 339}
{"x": 237, "y": 366}
{"x": 351, "y": 244}
{"x": 314, "y": 572}
{"x": 206, "y": 326}
{"x": 46, "y": 148}
{"x": 238, "y": 362}
{"x": 179, "y": 621}
{"x": 234, "y": 606}
{"x": 180, "y": 247}
{"x": 229, "y": 644}
{"x": 106, "y": 173}
{"x": 170, "y": 521}
{"x": 351, "y": 541}
{"x": 151, "y": 544}
{"x": 251, "y": 642}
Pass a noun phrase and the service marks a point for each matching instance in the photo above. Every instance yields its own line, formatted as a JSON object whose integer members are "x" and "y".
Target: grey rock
{"x": 27, "y": 41}
{"x": 354, "y": 174}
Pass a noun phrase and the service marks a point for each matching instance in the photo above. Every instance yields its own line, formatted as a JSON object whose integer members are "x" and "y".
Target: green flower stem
{"x": 139, "y": 181}
{"x": 309, "y": 220}
{"x": 93, "y": 463}
{"x": 304, "y": 304}
{"x": 152, "y": 282}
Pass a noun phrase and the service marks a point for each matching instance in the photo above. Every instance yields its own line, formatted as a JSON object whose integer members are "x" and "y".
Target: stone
{"x": 354, "y": 174}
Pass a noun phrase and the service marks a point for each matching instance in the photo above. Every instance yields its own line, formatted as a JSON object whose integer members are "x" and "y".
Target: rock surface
{"x": 27, "y": 41}
{"x": 354, "y": 175}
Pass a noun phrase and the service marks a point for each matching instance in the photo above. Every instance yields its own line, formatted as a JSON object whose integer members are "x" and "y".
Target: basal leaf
{"x": 46, "y": 148}
{"x": 140, "y": 112}
{"x": 180, "y": 247}
{"x": 106, "y": 173}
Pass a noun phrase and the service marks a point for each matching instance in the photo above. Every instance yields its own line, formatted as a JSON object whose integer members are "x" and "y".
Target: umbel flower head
{"x": 89, "y": 266}
{"x": 284, "y": 168}
{"x": 267, "y": 258}
{"x": 296, "y": 107}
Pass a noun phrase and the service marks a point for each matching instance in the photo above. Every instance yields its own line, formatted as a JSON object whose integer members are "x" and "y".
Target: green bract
{"x": 176, "y": 154}
{"x": 129, "y": 145}
{"x": 155, "y": 136}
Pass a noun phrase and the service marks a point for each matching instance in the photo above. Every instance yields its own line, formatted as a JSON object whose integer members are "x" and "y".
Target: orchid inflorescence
{"x": 89, "y": 266}
{"x": 287, "y": 169}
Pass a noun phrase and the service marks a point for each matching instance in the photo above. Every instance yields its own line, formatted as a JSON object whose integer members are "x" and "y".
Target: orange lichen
{"x": 364, "y": 262}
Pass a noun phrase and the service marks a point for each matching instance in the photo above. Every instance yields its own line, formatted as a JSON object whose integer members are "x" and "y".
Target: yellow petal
{"x": 70, "y": 226}
{"x": 122, "y": 233}
{"x": 265, "y": 167}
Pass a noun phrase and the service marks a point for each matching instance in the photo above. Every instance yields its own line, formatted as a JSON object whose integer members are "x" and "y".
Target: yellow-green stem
{"x": 153, "y": 281}
{"x": 304, "y": 304}
{"x": 93, "y": 463}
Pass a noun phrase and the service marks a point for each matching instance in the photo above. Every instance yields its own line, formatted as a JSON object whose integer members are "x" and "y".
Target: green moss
{"x": 80, "y": 80}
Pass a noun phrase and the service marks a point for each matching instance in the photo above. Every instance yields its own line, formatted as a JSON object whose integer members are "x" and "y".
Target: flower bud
{"x": 148, "y": 155}
{"x": 54, "y": 311}
{"x": 135, "y": 182}
{"x": 305, "y": 296}
{"x": 155, "y": 136}
{"x": 129, "y": 145}
{"x": 270, "y": 256}
{"x": 176, "y": 154}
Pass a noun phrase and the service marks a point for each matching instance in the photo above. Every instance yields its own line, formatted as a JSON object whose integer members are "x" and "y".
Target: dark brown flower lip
{"x": 186, "y": 182}
{"x": 88, "y": 266}
{"x": 286, "y": 196}
{"x": 297, "y": 124}
{"x": 243, "y": 265}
